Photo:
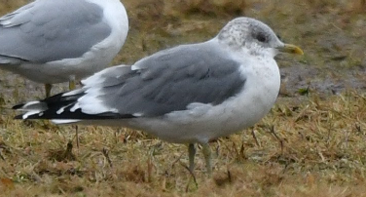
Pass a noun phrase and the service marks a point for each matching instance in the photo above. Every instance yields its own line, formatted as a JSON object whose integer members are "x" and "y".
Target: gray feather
{"x": 49, "y": 30}
{"x": 172, "y": 79}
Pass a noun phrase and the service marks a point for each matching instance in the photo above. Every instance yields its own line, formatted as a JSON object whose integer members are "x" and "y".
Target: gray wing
{"x": 171, "y": 80}
{"x": 48, "y": 30}
{"x": 165, "y": 82}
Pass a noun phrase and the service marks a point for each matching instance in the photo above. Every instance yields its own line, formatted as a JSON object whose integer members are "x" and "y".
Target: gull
{"x": 55, "y": 41}
{"x": 187, "y": 94}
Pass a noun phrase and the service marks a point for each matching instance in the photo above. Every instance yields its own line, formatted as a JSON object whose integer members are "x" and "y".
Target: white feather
{"x": 58, "y": 121}
{"x": 30, "y": 113}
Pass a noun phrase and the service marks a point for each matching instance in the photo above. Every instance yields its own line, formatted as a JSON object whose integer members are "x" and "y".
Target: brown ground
{"x": 319, "y": 118}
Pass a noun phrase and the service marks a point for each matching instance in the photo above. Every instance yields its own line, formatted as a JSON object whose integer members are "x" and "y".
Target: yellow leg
{"x": 191, "y": 154}
{"x": 207, "y": 154}
{"x": 48, "y": 88}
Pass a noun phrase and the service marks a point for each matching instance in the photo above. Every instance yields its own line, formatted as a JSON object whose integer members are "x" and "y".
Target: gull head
{"x": 254, "y": 37}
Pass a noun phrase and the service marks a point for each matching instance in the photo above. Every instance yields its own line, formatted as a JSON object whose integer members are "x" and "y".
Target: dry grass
{"x": 309, "y": 145}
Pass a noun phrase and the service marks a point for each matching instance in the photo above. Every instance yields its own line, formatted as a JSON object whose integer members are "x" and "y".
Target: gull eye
{"x": 261, "y": 37}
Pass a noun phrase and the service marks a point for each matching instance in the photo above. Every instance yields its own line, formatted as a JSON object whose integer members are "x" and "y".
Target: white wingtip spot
{"x": 61, "y": 110}
{"x": 73, "y": 92}
{"x": 75, "y": 107}
{"x": 26, "y": 115}
{"x": 58, "y": 121}
{"x": 137, "y": 114}
{"x": 29, "y": 104}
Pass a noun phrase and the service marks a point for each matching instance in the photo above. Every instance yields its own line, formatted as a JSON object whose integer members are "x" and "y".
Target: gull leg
{"x": 48, "y": 88}
{"x": 206, "y": 150}
{"x": 192, "y": 153}
{"x": 72, "y": 86}
{"x": 77, "y": 135}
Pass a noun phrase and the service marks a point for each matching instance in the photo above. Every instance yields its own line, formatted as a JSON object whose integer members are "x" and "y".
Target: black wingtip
{"x": 18, "y": 106}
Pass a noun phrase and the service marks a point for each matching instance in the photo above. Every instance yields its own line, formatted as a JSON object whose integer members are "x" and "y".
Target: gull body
{"x": 52, "y": 41}
{"x": 187, "y": 94}
{"x": 202, "y": 122}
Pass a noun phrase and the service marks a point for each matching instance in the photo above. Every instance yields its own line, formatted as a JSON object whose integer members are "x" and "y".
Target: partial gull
{"x": 187, "y": 94}
{"x": 54, "y": 41}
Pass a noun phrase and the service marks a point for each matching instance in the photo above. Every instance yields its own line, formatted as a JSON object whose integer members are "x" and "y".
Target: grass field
{"x": 312, "y": 143}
